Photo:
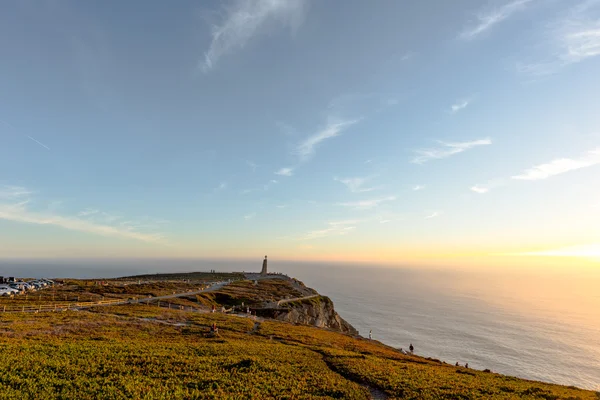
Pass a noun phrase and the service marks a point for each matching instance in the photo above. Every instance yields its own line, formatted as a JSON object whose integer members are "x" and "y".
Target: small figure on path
{"x": 467, "y": 365}
{"x": 411, "y": 348}
{"x": 371, "y": 334}
{"x": 457, "y": 364}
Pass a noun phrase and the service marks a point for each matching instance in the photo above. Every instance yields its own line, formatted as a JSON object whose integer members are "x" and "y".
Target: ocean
{"x": 540, "y": 325}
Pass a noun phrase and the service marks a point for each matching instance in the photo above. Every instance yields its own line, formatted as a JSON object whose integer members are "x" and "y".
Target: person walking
{"x": 411, "y": 348}
{"x": 371, "y": 334}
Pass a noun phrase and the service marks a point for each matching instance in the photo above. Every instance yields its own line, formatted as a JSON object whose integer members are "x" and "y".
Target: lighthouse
{"x": 264, "y": 267}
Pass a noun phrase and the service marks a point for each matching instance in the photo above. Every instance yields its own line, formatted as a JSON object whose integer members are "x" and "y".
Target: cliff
{"x": 317, "y": 311}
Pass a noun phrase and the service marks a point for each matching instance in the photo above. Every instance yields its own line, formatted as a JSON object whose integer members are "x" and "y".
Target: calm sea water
{"x": 541, "y": 326}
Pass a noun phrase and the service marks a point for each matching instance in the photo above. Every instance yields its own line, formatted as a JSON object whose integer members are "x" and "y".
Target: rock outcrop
{"x": 317, "y": 311}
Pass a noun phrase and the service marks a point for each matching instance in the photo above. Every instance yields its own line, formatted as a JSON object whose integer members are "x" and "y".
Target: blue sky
{"x": 308, "y": 130}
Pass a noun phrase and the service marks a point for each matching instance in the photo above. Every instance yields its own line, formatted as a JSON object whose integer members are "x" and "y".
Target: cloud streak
{"x": 247, "y": 19}
{"x": 38, "y": 142}
{"x": 333, "y": 128}
{"x": 356, "y": 185}
{"x": 16, "y": 210}
{"x": 459, "y": 105}
{"x": 486, "y": 20}
{"x": 545, "y": 171}
{"x": 335, "y": 228}
{"x": 447, "y": 150}
{"x": 559, "y": 166}
{"x": 367, "y": 204}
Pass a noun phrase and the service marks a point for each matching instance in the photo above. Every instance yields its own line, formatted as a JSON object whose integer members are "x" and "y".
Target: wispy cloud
{"x": 335, "y": 228}
{"x": 333, "y": 128}
{"x": 249, "y": 216}
{"x": 16, "y": 209}
{"x": 447, "y": 150}
{"x": 13, "y": 192}
{"x": 87, "y": 212}
{"x": 367, "y": 204}
{"x": 252, "y": 165}
{"x": 584, "y": 251}
{"x": 356, "y": 185}
{"x": 247, "y": 19}
{"x": 222, "y": 186}
{"x": 560, "y": 166}
{"x": 434, "y": 214}
{"x": 288, "y": 171}
{"x": 486, "y": 19}
{"x": 460, "y": 105}
{"x": 416, "y": 188}
{"x": 573, "y": 38}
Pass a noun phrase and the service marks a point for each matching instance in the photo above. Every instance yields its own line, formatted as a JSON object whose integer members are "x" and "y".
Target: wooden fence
{"x": 60, "y": 306}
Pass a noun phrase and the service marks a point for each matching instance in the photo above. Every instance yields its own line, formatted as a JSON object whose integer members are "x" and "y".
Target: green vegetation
{"x": 146, "y": 352}
{"x": 245, "y": 291}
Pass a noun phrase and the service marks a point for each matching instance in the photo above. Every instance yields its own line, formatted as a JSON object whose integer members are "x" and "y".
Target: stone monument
{"x": 264, "y": 267}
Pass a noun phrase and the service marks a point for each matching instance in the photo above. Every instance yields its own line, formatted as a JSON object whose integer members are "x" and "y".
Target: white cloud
{"x": 285, "y": 172}
{"x": 560, "y": 166}
{"x": 480, "y": 189}
{"x": 434, "y": 214}
{"x": 367, "y": 204}
{"x": 356, "y": 185}
{"x": 336, "y": 228}
{"x": 459, "y": 105}
{"x": 333, "y": 128}
{"x": 447, "y": 150}
{"x": 16, "y": 210}
{"x": 489, "y": 18}
{"x": 247, "y": 19}
{"x": 249, "y": 216}
{"x": 416, "y": 188}
{"x": 485, "y": 188}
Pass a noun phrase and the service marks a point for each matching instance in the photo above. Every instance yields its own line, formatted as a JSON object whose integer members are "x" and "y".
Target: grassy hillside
{"x": 152, "y": 353}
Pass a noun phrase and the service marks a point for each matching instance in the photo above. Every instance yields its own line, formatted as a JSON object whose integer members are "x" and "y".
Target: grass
{"x": 146, "y": 352}
{"x": 245, "y": 291}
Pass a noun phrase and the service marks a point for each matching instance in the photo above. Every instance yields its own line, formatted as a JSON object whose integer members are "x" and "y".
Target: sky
{"x": 390, "y": 132}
